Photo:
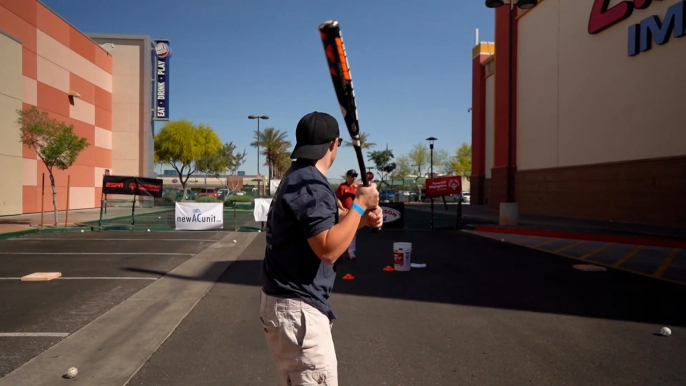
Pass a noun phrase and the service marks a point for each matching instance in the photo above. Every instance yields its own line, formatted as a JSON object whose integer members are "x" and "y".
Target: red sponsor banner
{"x": 443, "y": 186}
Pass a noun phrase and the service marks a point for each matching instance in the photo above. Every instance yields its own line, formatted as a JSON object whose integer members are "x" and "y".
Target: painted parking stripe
{"x": 628, "y": 256}
{"x": 665, "y": 264}
{"x": 569, "y": 246}
{"x": 546, "y": 242}
{"x": 595, "y": 251}
{"x": 88, "y": 239}
{"x": 34, "y": 334}
{"x": 92, "y": 278}
{"x": 96, "y": 253}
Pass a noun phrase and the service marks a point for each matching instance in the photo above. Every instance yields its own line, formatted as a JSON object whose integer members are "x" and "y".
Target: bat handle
{"x": 365, "y": 182}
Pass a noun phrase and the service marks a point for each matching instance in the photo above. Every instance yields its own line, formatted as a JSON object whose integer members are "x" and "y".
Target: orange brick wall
{"x": 58, "y": 59}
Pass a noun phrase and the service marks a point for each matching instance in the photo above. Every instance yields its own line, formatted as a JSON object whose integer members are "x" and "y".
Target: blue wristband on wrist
{"x": 358, "y": 209}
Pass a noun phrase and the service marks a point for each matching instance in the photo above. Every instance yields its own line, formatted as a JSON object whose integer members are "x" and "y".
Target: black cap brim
{"x": 314, "y": 152}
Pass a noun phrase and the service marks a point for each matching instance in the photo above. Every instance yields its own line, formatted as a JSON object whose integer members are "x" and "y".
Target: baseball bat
{"x": 337, "y": 59}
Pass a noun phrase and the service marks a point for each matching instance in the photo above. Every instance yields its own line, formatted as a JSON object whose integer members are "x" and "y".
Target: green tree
{"x": 382, "y": 159}
{"x": 403, "y": 167}
{"x": 273, "y": 144}
{"x": 54, "y": 141}
{"x": 217, "y": 164}
{"x": 419, "y": 156}
{"x": 182, "y": 145}
{"x": 462, "y": 161}
{"x": 442, "y": 161}
{"x": 283, "y": 164}
{"x": 364, "y": 142}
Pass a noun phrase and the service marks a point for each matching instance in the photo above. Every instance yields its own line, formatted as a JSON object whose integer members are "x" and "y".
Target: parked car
{"x": 210, "y": 192}
{"x": 190, "y": 195}
{"x": 465, "y": 197}
{"x": 386, "y": 195}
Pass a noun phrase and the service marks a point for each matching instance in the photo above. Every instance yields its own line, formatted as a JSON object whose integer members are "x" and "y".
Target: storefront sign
{"x": 649, "y": 30}
{"x": 162, "y": 55}
{"x": 131, "y": 186}
{"x": 198, "y": 216}
{"x": 443, "y": 186}
{"x": 393, "y": 214}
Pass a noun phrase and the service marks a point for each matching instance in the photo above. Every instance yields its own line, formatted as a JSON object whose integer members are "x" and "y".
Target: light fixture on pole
{"x": 522, "y": 4}
{"x": 431, "y": 175}
{"x": 258, "y": 117}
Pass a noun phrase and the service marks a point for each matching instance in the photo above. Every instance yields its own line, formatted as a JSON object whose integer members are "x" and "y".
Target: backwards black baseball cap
{"x": 314, "y": 135}
{"x": 351, "y": 172}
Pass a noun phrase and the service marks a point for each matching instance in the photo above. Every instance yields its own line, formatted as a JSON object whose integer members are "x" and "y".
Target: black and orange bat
{"x": 339, "y": 70}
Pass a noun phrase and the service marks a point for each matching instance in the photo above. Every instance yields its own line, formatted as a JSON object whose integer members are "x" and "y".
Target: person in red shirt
{"x": 346, "y": 194}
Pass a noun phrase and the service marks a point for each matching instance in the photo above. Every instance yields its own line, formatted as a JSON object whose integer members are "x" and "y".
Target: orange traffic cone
{"x": 348, "y": 277}
{"x": 389, "y": 268}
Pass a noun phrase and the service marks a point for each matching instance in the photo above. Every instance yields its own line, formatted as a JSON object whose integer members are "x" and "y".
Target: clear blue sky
{"x": 410, "y": 62}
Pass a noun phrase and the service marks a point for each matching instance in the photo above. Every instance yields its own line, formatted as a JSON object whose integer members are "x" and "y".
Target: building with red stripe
{"x": 46, "y": 62}
{"x": 598, "y": 118}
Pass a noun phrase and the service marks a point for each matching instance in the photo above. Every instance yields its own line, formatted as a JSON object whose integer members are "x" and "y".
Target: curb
{"x": 635, "y": 240}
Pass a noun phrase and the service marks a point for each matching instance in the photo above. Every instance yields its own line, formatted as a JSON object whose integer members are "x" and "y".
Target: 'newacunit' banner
{"x": 199, "y": 216}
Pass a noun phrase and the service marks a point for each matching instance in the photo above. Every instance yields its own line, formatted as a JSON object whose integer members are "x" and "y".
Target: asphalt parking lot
{"x": 99, "y": 270}
{"x": 664, "y": 263}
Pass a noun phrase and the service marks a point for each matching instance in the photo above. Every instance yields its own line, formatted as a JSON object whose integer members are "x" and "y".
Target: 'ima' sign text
{"x": 649, "y": 30}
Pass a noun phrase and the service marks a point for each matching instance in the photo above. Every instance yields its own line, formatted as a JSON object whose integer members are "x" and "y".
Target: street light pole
{"x": 431, "y": 175}
{"x": 258, "y": 117}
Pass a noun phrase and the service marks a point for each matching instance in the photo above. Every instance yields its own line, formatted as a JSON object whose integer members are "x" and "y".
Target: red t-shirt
{"x": 346, "y": 193}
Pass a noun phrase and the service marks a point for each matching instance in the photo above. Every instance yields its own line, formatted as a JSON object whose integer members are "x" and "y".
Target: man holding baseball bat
{"x": 306, "y": 233}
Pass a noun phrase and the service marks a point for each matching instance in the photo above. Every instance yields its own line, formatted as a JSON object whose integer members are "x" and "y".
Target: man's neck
{"x": 322, "y": 166}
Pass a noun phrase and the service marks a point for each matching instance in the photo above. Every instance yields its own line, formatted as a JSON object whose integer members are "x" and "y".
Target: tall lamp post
{"x": 258, "y": 117}
{"x": 431, "y": 146}
{"x": 522, "y": 4}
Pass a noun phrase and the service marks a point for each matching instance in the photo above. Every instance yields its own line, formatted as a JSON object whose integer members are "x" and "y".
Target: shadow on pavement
{"x": 469, "y": 270}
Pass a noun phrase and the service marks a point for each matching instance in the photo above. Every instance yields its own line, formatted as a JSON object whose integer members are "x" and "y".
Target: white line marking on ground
{"x": 87, "y": 239}
{"x": 96, "y": 253}
{"x": 93, "y": 278}
{"x": 34, "y": 334}
{"x": 110, "y": 278}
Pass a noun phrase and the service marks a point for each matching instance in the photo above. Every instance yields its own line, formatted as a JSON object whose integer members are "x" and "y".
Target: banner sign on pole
{"x": 393, "y": 214}
{"x": 443, "y": 186}
{"x": 131, "y": 186}
{"x": 199, "y": 216}
{"x": 161, "y": 92}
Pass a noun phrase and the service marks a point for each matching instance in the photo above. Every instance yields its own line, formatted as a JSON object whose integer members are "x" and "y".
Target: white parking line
{"x": 108, "y": 278}
{"x": 87, "y": 239}
{"x": 34, "y": 334}
{"x": 92, "y": 278}
{"x": 96, "y": 253}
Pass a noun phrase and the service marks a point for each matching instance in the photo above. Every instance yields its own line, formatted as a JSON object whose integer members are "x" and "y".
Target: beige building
{"x": 48, "y": 64}
{"x": 132, "y": 121}
{"x": 11, "y": 91}
{"x": 599, "y": 124}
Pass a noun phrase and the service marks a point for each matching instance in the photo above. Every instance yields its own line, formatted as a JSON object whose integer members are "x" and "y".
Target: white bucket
{"x": 401, "y": 256}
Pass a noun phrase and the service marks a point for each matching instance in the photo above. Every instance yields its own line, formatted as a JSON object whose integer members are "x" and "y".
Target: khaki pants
{"x": 300, "y": 342}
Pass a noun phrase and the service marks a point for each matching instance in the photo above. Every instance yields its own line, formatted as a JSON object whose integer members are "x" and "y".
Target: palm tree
{"x": 364, "y": 144}
{"x": 272, "y": 144}
{"x": 284, "y": 162}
